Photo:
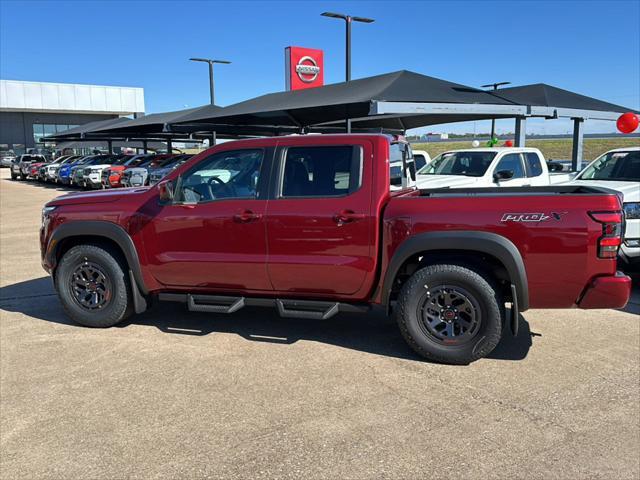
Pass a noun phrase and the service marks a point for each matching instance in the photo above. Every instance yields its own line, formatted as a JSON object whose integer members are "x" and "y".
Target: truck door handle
{"x": 246, "y": 216}
{"x": 348, "y": 216}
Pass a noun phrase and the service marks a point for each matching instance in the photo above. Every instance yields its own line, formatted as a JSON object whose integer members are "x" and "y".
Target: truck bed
{"x": 550, "y": 226}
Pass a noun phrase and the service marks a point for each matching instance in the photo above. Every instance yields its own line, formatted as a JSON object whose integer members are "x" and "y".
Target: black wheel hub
{"x": 449, "y": 314}
{"x": 90, "y": 286}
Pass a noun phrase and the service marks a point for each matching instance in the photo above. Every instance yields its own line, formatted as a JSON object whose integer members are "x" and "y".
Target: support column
{"x": 110, "y": 146}
{"x": 521, "y": 131}
{"x": 169, "y": 146}
{"x": 214, "y": 139}
{"x": 144, "y": 146}
{"x": 578, "y": 143}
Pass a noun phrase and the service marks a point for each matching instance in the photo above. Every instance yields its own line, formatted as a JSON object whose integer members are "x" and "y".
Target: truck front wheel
{"x": 450, "y": 314}
{"x": 93, "y": 286}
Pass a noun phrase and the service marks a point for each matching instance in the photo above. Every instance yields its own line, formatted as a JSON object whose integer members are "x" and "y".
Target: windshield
{"x": 614, "y": 166}
{"x": 32, "y": 158}
{"x": 470, "y": 164}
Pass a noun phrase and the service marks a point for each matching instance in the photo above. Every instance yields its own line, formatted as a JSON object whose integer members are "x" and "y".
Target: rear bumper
{"x": 607, "y": 292}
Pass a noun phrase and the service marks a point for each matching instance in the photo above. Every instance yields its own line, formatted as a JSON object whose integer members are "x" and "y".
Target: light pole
{"x": 210, "y": 61}
{"x": 493, "y": 120}
{"x": 348, "y": 19}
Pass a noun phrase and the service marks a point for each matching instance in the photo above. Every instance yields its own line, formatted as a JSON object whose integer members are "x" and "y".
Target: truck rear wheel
{"x": 93, "y": 286}
{"x": 450, "y": 314}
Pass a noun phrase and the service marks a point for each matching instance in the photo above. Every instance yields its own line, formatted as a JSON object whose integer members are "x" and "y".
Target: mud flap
{"x": 515, "y": 312}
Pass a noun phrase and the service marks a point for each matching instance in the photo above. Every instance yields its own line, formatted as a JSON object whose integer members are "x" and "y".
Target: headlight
{"x": 632, "y": 211}
{"x": 46, "y": 211}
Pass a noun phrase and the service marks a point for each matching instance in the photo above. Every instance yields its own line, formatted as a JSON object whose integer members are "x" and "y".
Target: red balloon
{"x": 508, "y": 143}
{"x": 627, "y": 122}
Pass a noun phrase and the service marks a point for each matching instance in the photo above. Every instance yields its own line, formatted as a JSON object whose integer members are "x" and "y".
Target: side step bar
{"x": 307, "y": 309}
{"x": 214, "y": 304}
{"x": 287, "y": 308}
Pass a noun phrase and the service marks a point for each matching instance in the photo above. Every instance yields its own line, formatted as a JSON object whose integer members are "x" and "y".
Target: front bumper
{"x": 94, "y": 180}
{"x": 607, "y": 292}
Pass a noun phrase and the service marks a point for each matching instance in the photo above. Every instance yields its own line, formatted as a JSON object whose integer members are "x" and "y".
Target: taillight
{"x": 612, "y": 227}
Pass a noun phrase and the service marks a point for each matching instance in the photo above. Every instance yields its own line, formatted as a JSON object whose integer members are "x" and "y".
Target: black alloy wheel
{"x": 90, "y": 286}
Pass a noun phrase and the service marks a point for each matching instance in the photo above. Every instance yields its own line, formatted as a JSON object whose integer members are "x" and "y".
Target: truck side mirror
{"x": 502, "y": 175}
{"x": 165, "y": 191}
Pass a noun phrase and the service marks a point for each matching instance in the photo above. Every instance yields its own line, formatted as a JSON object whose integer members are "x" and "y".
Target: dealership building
{"x": 32, "y": 110}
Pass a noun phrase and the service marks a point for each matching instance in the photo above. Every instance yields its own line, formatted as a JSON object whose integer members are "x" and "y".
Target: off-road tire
{"x": 14, "y": 176}
{"x": 483, "y": 291}
{"x": 120, "y": 304}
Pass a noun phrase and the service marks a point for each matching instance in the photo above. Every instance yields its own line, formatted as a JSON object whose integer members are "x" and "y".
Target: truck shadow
{"x": 373, "y": 333}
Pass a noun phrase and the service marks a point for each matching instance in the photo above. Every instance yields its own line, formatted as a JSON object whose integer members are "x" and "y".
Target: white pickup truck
{"x": 619, "y": 170}
{"x": 487, "y": 167}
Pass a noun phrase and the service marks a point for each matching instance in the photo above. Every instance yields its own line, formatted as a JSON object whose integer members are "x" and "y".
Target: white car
{"x": 135, "y": 177}
{"x": 620, "y": 170}
{"x": 485, "y": 167}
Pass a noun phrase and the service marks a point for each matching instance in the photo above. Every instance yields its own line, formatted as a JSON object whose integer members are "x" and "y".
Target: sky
{"x": 590, "y": 47}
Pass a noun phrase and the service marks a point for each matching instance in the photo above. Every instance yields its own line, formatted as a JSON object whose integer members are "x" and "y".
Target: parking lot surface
{"x": 185, "y": 395}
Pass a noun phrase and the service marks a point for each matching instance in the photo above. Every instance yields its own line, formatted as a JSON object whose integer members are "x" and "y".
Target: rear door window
{"x": 420, "y": 160}
{"x": 513, "y": 162}
{"x": 534, "y": 165}
{"x": 320, "y": 171}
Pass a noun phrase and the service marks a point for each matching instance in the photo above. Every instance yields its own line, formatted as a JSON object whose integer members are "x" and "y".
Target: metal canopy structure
{"x": 322, "y": 107}
{"x": 104, "y": 144}
{"x": 393, "y": 102}
{"x": 78, "y": 132}
{"x": 146, "y": 128}
{"x": 536, "y": 100}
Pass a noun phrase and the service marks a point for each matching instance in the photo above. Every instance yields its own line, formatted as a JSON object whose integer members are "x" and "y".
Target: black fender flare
{"x": 469, "y": 241}
{"x": 105, "y": 229}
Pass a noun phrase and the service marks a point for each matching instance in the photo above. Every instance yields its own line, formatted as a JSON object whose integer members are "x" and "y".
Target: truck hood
{"x": 444, "y": 181}
{"x": 102, "y": 196}
{"x": 629, "y": 190}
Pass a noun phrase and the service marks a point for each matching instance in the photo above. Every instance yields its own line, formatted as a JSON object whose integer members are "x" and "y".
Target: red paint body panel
{"x": 294, "y": 247}
{"x": 559, "y": 256}
{"x": 607, "y": 292}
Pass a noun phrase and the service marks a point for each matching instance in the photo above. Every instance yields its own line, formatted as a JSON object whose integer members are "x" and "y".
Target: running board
{"x": 307, "y": 309}
{"x": 214, "y": 304}
{"x": 287, "y": 308}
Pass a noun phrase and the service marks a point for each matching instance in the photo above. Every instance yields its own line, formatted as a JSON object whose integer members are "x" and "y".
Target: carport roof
{"x": 80, "y": 130}
{"x": 335, "y": 102}
{"x": 153, "y": 123}
{"x": 543, "y": 95}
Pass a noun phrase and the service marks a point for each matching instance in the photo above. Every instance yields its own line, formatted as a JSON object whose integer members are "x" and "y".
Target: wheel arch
{"x": 500, "y": 251}
{"x": 70, "y": 234}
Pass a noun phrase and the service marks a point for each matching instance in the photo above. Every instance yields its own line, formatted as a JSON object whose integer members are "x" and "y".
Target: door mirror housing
{"x": 166, "y": 191}
{"x": 502, "y": 175}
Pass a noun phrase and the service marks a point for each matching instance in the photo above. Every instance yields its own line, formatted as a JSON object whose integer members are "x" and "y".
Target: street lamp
{"x": 493, "y": 120}
{"x": 210, "y": 61}
{"x": 348, "y": 19}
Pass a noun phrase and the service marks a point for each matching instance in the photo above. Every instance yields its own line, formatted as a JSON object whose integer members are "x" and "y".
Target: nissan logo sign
{"x": 307, "y": 69}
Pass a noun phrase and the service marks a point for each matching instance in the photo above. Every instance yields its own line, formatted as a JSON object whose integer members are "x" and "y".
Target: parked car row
{"x": 97, "y": 171}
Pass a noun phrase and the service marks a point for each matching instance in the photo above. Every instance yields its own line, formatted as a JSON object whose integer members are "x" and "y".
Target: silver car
{"x": 6, "y": 158}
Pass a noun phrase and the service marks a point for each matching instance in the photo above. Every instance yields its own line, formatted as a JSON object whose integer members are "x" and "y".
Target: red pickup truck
{"x": 316, "y": 225}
